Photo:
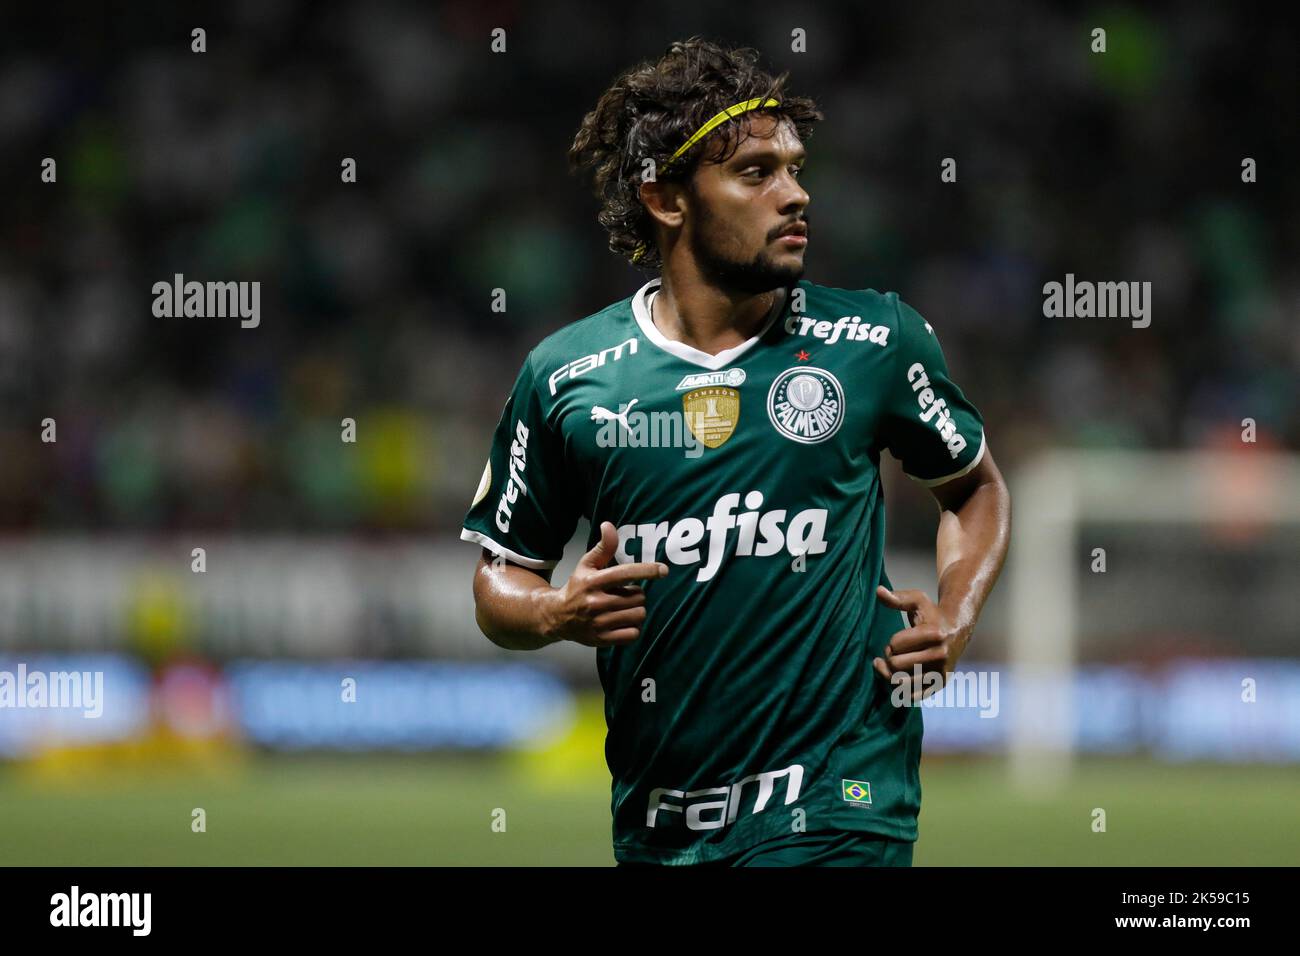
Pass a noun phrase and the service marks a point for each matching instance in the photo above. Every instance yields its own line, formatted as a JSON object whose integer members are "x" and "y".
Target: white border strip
{"x": 931, "y": 482}
{"x": 479, "y": 538}
{"x": 688, "y": 353}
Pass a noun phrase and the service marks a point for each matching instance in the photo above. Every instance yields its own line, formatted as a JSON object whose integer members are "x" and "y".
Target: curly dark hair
{"x": 651, "y": 110}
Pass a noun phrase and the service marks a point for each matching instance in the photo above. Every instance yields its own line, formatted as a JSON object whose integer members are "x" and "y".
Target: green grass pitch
{"x": 422, "y": 810}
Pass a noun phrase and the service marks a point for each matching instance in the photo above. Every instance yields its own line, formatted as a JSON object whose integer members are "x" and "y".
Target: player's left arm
{"x": 970, "y": 548}
{"x": 938, "y": 434}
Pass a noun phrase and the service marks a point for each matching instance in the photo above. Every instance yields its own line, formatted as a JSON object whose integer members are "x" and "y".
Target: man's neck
{"x": 707, "y": 318}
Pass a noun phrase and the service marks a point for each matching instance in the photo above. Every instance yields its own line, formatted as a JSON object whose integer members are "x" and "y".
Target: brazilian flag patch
{"x": 857, "y": 791}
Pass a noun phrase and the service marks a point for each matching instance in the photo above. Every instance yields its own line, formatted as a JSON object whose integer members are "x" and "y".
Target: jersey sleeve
{"x": 929, "y": 425}
{"x": 523, "y": 508}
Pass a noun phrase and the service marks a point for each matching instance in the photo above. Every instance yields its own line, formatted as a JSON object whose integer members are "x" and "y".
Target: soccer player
{"x": 722, "y": 430}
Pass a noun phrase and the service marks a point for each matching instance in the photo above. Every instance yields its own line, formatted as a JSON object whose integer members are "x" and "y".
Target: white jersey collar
{"x": 687, "y": 353}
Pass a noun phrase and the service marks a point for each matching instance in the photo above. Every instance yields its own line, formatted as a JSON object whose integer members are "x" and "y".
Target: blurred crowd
{"x": 376, "y": 295}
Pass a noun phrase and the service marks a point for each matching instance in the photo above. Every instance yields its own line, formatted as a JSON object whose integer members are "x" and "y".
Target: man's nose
{"x": 795, "y": 198}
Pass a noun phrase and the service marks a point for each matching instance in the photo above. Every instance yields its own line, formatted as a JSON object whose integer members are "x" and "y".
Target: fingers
{"x": 627, "y": 573}
{"x": 603, "y": 553}
{"x": 914, "y": 639}
{"x": 905, "y": 662}
{"x": 609, "y": 618}
{"x": 615, "y": 638}
{"x": 906, "y": 678}
{"x": 881, "y": 668}
{"x": 632, "y": 617}
{"x": 602, "y": 602}
{"x": 625, "y": 635}
{"x": 625, "y": 590}
{"x": 917, "y": 645}
{"x": 908, "y": 600}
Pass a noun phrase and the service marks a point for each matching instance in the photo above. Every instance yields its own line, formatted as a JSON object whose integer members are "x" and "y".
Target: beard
{"x": 748, "y": 276}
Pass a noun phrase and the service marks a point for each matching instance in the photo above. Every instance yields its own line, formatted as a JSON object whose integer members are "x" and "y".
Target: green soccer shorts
{"x": 844, "y": 848}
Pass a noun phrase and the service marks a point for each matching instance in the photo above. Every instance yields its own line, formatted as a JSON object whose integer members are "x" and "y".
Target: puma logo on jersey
{"x": 588, "y": 362}
{"x": 759, "y": 534}
{"x": 599, "y": 414}
{"x": 936, "y": 409}
{"x": 850, "y": 327}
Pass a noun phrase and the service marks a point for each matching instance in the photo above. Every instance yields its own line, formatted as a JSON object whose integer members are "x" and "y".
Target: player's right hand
{"x": 601, "y": 605}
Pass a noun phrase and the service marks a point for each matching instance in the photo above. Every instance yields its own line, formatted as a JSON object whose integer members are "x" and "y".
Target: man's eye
{"x": 759, "y": 172}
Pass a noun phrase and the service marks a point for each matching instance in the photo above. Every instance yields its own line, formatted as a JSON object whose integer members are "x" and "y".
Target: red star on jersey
{"x": 803, "y": 356}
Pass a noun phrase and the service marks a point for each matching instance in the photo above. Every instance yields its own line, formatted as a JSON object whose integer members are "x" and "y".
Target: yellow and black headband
{"x": 758, "y": 103}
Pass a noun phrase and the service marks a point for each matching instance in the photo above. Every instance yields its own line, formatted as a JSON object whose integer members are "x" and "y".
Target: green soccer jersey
{"x": 748, "y": 708}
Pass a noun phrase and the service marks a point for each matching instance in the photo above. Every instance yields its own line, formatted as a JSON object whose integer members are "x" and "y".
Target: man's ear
{"x": 665, "y": 202}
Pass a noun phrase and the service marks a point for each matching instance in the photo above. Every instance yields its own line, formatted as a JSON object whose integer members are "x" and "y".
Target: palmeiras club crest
{"x": 806, "y": 404}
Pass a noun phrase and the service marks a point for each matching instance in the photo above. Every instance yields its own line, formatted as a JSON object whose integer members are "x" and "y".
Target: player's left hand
{"x": 934, "y": 641}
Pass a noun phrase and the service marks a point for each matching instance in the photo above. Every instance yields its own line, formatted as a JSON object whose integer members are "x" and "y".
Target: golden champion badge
{"x": 712, "y": 414}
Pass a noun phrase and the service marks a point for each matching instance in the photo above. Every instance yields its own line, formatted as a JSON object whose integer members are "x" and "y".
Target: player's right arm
{"x": 600, "y": 605}
{"x": 524, "y": 513}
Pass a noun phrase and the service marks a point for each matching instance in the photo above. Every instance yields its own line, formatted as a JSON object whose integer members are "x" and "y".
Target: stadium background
{"x": 329, "y": 560}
